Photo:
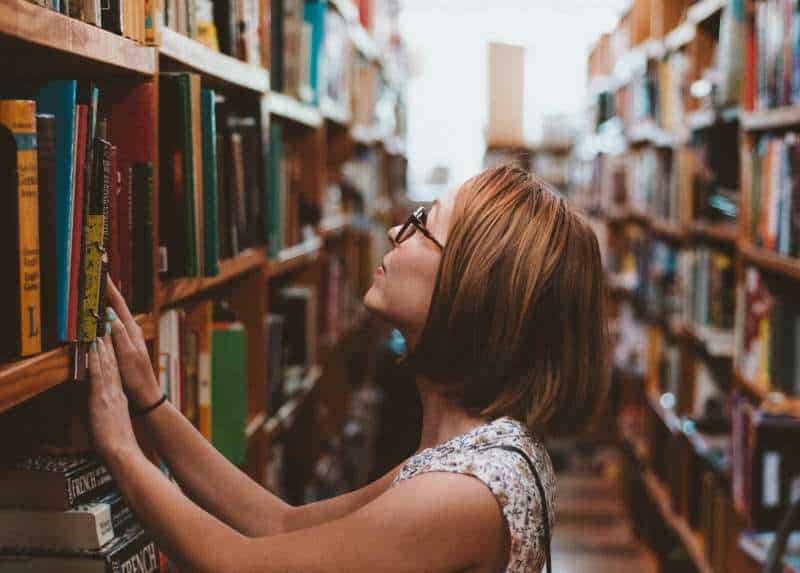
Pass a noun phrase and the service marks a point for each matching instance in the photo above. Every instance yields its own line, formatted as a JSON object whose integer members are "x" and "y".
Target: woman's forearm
{"x": 210, "y": 479}
{"x": 187, "y": 533}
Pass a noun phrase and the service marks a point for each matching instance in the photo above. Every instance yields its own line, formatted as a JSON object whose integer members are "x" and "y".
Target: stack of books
{"x": 63, "y": 513}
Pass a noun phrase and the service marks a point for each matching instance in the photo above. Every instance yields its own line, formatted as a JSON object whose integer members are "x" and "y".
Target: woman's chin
{"x": 373, "y": 302}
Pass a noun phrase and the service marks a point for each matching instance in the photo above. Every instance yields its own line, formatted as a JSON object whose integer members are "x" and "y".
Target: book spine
{"x": 46, "y": 140}
{"x": 19, "y": 117}
{"x": 83, "y": 485}
{"x": 210, "y": 207}
{"x": 111, "y": 15}
{"x": 140, "y": 555}
{"x": 142, "y": 212}
{"x": 76, "y": 232}
{"x": 94, "y": 230}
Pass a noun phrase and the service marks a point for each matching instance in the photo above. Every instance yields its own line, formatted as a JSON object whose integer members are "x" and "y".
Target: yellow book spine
{"x": 20, "y": 117}
{"x": 92, "y": 261}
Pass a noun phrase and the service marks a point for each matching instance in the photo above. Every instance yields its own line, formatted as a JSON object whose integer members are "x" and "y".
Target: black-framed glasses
{"x": 417, "y": 220}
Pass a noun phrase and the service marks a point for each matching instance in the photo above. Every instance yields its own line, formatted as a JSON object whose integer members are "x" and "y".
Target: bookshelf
{"x": 46, "y": 34}
{"x": 180, "y": 52}
{"x": 320, "y": 143}
{"x": 671, "y": 184}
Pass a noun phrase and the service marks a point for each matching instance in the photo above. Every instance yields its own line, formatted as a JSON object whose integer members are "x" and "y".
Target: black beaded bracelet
{"x": 148, "y": 409}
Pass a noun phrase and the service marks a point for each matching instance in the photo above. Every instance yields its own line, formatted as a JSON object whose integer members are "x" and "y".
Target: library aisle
{"x": 592, "y": 530}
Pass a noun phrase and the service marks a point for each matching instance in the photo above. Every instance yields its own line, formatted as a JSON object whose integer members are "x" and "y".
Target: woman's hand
{"x": 108, "y": 406}
{"x": 138, "y": 379}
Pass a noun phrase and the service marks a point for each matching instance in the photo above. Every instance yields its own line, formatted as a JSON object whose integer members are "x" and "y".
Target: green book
{"x": 210, "y": 193}
{"x": 274, "y": 214}
{"x": 229, "y": 390}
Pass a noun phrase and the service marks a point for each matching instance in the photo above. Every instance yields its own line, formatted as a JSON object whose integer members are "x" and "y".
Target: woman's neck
{"x": 442, "y": 420}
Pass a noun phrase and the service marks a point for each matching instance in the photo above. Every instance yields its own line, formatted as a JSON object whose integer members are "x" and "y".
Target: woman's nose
{"x": 392, "y": 234}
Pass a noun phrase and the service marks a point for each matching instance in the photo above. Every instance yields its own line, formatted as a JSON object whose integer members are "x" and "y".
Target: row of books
{"x": 77, "y": 210}
{"x": 133, "y": 19}
{"x": 774, "y": 58}
{"x": 765, "y": 468}
{"x": 212, "y": 198}
{"x": 774, "y": 218}
{"x": 291, "y": 215}
{"x": 650, "y": 183}
{"x": 292, "y": 338}
{"x": 711, "y": 299}
{"x": 202, "y": 360}
{"x": 660, "y": 87}
{"x": 63, "y": 513}
{"x": 768, "y": 353}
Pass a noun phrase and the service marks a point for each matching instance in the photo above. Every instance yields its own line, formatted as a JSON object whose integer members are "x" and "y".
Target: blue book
{"x": 208, "y": 122}
{"x": 59, "y": 99}
{"x": 314, "y": 14}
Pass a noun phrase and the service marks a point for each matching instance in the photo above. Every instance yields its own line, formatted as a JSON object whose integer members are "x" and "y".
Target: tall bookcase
{"x": 672, "y": 129}
{"x": 39, "y": 43}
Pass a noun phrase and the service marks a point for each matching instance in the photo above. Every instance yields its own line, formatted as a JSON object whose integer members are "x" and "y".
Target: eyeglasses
{"x": 416, "y": 220}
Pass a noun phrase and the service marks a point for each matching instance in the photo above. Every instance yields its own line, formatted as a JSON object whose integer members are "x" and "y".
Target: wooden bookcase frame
{"x": 671, "y": 495}
{"x": 38, "y": 42}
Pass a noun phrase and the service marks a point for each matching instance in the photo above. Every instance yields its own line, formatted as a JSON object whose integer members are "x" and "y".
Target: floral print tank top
{"x": 507, "y": 476}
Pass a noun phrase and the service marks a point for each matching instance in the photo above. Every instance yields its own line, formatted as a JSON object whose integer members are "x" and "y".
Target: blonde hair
{"x": 516, "y": 325}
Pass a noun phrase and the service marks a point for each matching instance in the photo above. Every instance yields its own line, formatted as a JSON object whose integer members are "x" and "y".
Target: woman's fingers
{"x": 122, "y": 339}
{"x": 95, "y": 367}
{"x": 110, "y": 352}
{"x": 119, "y": 305}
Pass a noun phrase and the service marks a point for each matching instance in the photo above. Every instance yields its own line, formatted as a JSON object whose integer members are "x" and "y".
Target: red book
{"x": 77, "y": 222}
{"x": 130, "y": 127}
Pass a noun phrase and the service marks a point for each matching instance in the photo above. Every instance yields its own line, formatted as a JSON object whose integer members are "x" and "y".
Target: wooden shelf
{"x": 255, "y": 424}
{"x": 176, "y": 290}
{"x": 692, "y": 541}
{"x": 366, "y": 135}
{"x": 715, "y": 343}
{"x": 365, "y": 44}
{"x": 216, "y": 68}
{"x": 680, "y": 37}
{"x": 347, "y": 9}
{"x": 721, "y": 232}
{"x": 292, "y": 258}
{"x": 24, "y": 379}
{"x": 668, "y": 417}
{"x": 778, "y": 118}
{"x": 287, "y": 108}
{"x": 669, "y": 230}
{"x": 334, "y": 113}
{"x": 335, "y": 226}
{"x": 282, "y": 420}
{"x": 54, "y": 39}
{"x": 705, "y": 9}
{"x": 788, "y": 404}
{"x": 787, "y": 266}
{"x": 394, "y": 145}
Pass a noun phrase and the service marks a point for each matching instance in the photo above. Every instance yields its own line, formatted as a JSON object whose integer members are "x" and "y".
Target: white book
{"x": 85, "y": 527}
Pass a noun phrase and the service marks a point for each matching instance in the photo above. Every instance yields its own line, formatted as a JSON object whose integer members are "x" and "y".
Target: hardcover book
{"x": 52, "y": 482}
{"x": 133, "y": 550}
{"x": 21, "y": 306}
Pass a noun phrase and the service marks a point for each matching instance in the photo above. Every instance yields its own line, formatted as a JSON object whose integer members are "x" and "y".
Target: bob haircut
{"x": 516, "y": 325}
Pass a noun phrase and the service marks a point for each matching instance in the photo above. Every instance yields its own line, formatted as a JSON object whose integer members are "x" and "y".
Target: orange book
{"x": 21, "y": 304}
{"x": 198, "y": 319}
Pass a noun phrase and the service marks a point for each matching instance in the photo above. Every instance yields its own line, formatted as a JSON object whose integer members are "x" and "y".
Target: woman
{"x": 498, "y": 291}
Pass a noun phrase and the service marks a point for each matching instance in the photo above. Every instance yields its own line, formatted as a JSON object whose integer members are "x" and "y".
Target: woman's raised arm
{"x": 206, "y": 475}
